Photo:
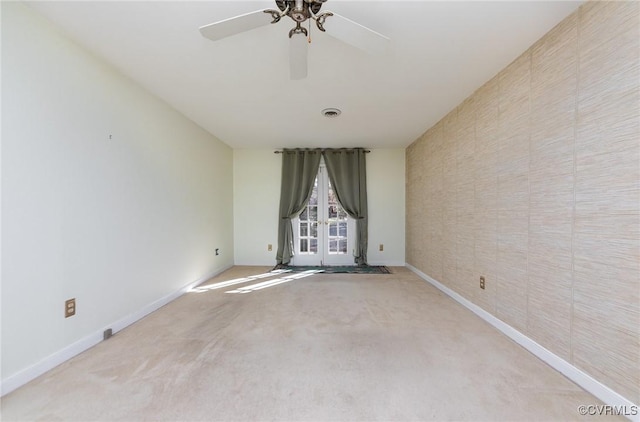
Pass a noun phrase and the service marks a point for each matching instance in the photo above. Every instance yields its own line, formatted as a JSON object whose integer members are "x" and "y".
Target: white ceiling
{"x": 239, "y": 90}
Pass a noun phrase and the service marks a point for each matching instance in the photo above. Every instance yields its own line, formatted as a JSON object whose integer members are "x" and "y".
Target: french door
{"x": 323, "y": 232}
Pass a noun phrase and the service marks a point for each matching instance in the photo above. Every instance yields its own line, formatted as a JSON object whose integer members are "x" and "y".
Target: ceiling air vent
{"x": 331, "y": 112}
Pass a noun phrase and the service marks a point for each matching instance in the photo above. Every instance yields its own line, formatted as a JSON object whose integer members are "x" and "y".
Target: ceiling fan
{"x": 300, "y": 11}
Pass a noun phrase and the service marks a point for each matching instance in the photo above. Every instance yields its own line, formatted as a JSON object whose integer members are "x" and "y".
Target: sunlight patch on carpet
{"x": 274, "y": 282}
{"x": 336, "y": 269}
{"x": 227, "y": 283}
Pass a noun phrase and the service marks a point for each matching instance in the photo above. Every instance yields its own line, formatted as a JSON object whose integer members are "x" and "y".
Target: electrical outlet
{"x": 381, "y": 247}
{"x": 482, "y": 282}
{"x": 269, "y": 247}
{"x": 69, "y": 308}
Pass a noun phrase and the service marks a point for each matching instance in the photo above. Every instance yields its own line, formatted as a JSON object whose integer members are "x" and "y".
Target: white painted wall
{"x": 256, "y": 198}
{"x": 385, "y": 189}
{"x": 108, "y": 195}
{"x": 257, "y": 174}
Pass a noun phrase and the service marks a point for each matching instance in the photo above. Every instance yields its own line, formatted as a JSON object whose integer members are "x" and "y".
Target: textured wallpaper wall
{"x": 534, "y": 183}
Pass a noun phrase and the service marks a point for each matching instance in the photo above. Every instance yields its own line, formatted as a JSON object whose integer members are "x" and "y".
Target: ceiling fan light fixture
{"x": 331, "y": 112}
{"x": 300, "y": 11}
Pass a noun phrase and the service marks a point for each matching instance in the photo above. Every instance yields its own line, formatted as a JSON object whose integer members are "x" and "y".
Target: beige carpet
{"x": 323, "y": 348}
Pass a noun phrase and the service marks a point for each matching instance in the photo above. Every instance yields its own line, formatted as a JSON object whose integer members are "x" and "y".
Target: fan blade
{"x": 356, "y": 35}
{"x": 232, "y": 26}
{"x": 298, "y": 47}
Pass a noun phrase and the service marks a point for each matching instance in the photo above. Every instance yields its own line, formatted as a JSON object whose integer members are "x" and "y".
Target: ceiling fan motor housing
{"x": 300, "y": 10}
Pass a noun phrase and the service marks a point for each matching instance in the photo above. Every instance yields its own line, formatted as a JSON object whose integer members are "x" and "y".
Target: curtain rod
{"x": 280, "y": 151}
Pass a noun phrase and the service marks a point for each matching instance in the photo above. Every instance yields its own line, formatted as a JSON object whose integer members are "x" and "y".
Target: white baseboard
{"x": 21, "y": 378}
{"x": 590, "y": 384}
{"x": 386, "y": 263}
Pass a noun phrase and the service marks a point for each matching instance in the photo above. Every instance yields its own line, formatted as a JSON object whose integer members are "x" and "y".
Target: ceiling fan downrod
{"x": 300, "y": 11}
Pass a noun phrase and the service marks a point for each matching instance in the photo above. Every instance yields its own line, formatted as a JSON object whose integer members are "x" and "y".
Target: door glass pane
{"x": 313, "y": 200}
{"x": 342, "y": 229}
{"x": 308, "y": 225}
{"x": 337, "y": 231}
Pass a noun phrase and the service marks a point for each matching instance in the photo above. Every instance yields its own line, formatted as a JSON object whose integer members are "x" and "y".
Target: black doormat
{"x": 345, "y": 269}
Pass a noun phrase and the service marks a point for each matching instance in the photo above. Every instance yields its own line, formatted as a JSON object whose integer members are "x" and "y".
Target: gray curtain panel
{"x": 299, "y": 170}
{"x": 348, "y": 175}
